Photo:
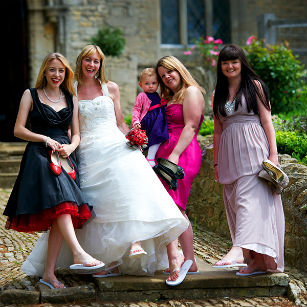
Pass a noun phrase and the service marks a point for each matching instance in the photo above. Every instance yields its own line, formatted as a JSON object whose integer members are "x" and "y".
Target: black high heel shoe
{"x": 171, "y": 168}
{"x": 171, "y": 181}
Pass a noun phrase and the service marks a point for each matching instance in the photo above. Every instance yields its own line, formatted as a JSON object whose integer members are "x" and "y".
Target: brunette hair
{"x": 67, "y": 84}
{"x": 89, "y": 50}
{"x": 248, "y": 86}
{"x": 172, "y": 63}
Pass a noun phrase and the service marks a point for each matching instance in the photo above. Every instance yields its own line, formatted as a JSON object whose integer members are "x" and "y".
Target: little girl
{"x": 149, "y": 113}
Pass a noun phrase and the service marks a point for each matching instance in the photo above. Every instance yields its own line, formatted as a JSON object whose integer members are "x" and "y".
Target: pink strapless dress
{"x": 190, "y": 159}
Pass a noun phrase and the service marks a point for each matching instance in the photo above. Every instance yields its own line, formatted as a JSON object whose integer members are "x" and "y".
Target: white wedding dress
{"x": 129, "y": 200}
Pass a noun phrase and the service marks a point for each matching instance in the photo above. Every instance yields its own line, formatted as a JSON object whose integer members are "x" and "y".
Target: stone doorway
{"x": 14, "y": 63}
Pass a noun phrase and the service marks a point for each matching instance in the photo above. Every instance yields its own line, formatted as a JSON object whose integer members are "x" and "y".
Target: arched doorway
{"x": 14, "y": 63}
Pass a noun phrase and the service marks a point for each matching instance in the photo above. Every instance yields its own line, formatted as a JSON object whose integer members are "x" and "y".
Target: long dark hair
{"x": 247, "y": 86}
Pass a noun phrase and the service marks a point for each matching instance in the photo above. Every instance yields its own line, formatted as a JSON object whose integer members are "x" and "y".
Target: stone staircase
{"x": 10, "y": 157}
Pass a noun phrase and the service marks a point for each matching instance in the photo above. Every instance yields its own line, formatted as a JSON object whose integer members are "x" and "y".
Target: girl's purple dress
{"x": 155, "y": 122}
{"x": 189, "y": 160}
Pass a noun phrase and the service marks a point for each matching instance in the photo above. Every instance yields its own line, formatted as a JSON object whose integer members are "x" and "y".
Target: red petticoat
{"x": 43, "y": 220}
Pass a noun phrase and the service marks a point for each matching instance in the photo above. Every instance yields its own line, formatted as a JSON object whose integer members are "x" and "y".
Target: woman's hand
{"x": 216, "y": 174}
{"x": 137, "y": 126}
{"x": 66, "y": 150}
{"x": 274, "y": 159}
{"x": 173, "y": 158}
{"x": 53, "y": 144}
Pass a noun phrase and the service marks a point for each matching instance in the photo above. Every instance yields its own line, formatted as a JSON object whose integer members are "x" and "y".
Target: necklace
{"x": 56, "y": 100}
{"x": 230, "y": 105}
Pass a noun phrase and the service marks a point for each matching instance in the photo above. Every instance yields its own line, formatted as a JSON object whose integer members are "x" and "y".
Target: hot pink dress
{"x": 190, "y": 159}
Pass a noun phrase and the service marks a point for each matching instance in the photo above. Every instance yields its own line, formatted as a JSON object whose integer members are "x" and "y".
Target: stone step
{"x": 12, "y": 150}
{"x": 208, "y": 284}
{"x": 7, "y": 180}
{"x": 9, "y": 166}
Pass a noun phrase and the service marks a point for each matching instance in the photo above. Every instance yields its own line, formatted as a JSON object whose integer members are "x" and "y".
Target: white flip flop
{"x": 232, "y": 265}
{"x": 49, "y": 285}
{"x": 250, "y": 274}
{"x": 182, "y": 274}
{"x": 82, "y": 269}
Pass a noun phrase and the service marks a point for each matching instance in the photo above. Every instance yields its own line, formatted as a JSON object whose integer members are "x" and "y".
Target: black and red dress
{"x": 39, "y": 196}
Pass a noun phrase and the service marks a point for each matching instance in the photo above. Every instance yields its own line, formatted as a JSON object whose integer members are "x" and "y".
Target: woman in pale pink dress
{"x": 243, "y": 137}
{"x": 184, "y": 113}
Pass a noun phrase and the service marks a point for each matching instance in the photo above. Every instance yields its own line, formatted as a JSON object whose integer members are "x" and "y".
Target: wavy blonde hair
{"x": 172, "y": 63}
{"x": 89, "y": 50}
{"x": 67, "y": 84}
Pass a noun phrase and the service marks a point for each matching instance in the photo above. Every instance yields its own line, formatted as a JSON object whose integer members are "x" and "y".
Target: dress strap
{"x": 105, "y": 90}
{"x": 76, "y": 87}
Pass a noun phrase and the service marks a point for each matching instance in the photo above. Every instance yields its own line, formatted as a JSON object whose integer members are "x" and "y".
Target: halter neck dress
{"x": 39, "y": 196}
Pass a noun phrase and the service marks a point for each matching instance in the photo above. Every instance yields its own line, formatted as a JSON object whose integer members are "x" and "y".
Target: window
{"x": 221, "y": 20}
{"x": 183, "y": 21}
{"x": 196, "y": 20}
{"x": 170, "y": 22}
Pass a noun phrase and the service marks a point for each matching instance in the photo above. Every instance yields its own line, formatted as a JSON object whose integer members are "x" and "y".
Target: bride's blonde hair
{"x": 89, "y": 50}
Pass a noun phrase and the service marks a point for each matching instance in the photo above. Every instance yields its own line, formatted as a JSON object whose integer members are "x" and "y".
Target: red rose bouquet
{"x": 137, "y": 137}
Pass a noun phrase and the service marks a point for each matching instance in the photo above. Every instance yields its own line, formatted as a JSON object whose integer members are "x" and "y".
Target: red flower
{"x": 163, "y": 102}
{"x": 137, "y": 137}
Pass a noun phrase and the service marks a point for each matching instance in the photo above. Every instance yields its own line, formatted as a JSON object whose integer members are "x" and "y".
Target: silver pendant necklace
{"x": 230, "y": 106}
{"x": 56, "y": 100}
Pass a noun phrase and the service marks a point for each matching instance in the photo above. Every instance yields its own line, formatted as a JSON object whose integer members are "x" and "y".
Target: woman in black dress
{"x": 46, "y": 195}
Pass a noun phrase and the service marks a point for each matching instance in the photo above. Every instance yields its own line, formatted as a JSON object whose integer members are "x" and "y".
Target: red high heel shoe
{"x": 69, "y": 167}
{"x": 54, "y": 162}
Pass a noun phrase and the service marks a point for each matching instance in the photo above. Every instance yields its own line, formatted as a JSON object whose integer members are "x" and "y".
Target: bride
{"x": 135, "y": 217}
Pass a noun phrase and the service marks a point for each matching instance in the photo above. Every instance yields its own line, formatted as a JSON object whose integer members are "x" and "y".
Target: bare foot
{"x": 174, "y": 274}
{"x": 193, "y": 267}
{"x": 180, "y": 260}
{"x": 175, "y": 265}
{"x": 86, "y": 260}
{"x": 254, "y": 266}
{"x": 51, "y": 279}
{"x": 235, "y": 255}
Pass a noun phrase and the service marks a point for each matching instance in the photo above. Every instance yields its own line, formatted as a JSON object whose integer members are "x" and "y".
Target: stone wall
{"x": 66, "y": 26}
{"x": 206, "y": 206}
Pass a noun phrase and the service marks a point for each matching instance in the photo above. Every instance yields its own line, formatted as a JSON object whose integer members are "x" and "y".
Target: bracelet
{"x": 46, "y": 141}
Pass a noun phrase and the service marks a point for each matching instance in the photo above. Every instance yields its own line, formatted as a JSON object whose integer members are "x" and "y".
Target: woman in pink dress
{"x": 244, "y": 137}
{"x": 184, "y": 114}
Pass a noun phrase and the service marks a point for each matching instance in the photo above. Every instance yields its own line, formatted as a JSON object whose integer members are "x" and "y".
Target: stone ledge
{"x": 67, "y": 295}
{"x": 16, "y": 297}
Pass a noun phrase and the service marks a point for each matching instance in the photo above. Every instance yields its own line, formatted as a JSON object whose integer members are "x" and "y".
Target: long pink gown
{"x": 190, "y": 159}
{"x": 254, "y": 213}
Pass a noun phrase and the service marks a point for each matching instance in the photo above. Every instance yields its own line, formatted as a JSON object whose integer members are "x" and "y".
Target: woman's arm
{"x": 266, "y": 122}
{"x": 115, "y": 95}
{"x": 193, "y": 107}
{"x": 67, "y": 149}
{"x": 20, "y": 129}
{"x": 216, "y": 142}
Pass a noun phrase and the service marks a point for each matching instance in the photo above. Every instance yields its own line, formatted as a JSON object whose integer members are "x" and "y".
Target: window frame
{"x": 183, "y": 23}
